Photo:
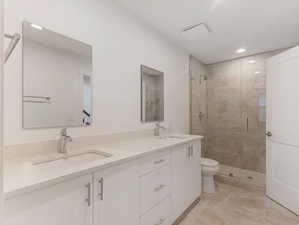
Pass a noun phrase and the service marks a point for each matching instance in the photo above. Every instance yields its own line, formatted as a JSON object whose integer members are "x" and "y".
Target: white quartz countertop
{"x": 21, "y": 176}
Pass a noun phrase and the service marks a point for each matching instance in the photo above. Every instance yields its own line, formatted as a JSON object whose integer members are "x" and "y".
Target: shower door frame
{"x": 191, "y": 98}
{"x": 191, "y": 78}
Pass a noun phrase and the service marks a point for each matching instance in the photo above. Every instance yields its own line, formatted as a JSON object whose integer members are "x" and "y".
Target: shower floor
{"x": 232, "y": 205}
{"x": 241, "y": 177}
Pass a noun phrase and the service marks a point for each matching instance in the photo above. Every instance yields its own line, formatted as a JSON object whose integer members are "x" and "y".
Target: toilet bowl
{"x": 209, "y": 169}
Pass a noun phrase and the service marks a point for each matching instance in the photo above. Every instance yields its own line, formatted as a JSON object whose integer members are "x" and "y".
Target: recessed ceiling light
{"x": 257, "y": 72}
{"x": 241, "y": 50}
{"x": 36, "y": 26}
{"x": 252, "y": 61}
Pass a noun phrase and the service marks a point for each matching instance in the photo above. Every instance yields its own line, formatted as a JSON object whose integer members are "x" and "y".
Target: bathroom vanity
{"x": 144, "y": 181}
{"x": 148, "y": 180}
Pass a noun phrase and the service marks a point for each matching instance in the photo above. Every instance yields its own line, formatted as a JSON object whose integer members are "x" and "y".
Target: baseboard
{"x": 186, "y": 212}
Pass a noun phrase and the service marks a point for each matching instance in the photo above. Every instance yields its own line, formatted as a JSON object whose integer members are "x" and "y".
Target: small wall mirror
{"x": 57, "y": 79}
{"x": 152, "y": 95}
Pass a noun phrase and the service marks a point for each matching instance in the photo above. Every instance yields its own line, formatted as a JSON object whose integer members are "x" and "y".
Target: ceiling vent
{"x": 196, "y": 31}
{"x": 189, "y": 28}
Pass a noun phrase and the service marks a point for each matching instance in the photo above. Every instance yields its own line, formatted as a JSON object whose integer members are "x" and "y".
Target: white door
{"x": 283, "y": 123}
{"x": 61, "y": 204}
{"x": 116, "y": 196}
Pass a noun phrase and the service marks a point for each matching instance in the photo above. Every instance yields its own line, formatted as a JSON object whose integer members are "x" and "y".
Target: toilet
{"x": 209, "y": 169}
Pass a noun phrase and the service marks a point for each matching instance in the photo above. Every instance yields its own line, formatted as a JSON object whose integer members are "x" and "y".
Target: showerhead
{"x": 204, "y": 77}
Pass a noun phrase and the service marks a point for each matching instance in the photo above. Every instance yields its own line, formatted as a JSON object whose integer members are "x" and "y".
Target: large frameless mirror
{"x": 57, "y": 79}
{"x": 152, "y": 95}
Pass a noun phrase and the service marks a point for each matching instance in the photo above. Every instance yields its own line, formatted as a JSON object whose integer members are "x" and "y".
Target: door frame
{"x": 1, "y": 107}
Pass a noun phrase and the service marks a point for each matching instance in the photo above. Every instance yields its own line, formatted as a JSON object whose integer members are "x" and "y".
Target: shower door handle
{"x": 246, "y": 121}
{"x": 201, "y": 115}
{"x": 247, "y": 124}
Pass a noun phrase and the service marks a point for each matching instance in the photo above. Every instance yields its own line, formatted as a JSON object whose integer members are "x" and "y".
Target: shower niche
{"x": 152, "y": 95}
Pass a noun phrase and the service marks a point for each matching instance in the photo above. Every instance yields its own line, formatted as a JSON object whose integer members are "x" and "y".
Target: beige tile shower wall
{"x": 153, "y": 98}
{"x": 236, "y": 112}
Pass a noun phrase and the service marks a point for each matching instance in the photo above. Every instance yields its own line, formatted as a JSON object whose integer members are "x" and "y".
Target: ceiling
{"x": 257, "y": 25}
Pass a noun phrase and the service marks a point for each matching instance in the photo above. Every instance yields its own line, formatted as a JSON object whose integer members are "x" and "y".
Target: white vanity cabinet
{"x": 67, "y": 203}
{"x": 151, "y": 190}
{"x": 155, "y": 189}
{"x": 186, "y": 176}
{"x": 116, "y": 195}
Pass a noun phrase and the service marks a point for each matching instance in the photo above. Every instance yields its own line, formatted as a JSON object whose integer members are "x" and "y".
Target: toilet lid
{"x": 208, "y": 162}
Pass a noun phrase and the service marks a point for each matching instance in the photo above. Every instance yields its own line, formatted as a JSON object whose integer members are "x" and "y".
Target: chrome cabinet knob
{"x": 269, "y": 134}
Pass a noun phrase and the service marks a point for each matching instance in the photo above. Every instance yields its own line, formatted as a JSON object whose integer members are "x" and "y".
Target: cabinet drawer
{"x": 159, "y": 215}
{"x": 151, "y": 163}
{"x": 155, "y": 186}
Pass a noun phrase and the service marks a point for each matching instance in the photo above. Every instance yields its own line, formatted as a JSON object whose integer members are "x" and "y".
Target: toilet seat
{"x": 209, "y": 162}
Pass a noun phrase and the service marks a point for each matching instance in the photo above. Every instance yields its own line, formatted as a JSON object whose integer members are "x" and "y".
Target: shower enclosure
{"x": 198, "y": 96}
{"x": 228, "y": 107}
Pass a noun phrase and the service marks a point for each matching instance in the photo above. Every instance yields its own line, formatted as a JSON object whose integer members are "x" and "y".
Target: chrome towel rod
{"x": 15, "y": 38}
{"x": 37, "y": 99}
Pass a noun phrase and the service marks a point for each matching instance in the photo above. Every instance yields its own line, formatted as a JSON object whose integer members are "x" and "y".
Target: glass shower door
{"x": 253, "y": 108}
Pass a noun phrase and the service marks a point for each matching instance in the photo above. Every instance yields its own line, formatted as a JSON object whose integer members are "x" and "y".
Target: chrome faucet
{"x": 157, "y": 129}
{"x": 64, "y": 138}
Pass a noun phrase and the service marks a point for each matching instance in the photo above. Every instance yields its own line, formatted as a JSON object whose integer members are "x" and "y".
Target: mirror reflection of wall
{"x": 152, "y": 95}
{"x": 57, "y": 74}
{"x": 87, "y": 92}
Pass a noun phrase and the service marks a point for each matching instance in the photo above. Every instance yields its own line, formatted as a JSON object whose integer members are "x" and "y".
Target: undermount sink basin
{"x": 173, "y": 137}
{"x": 86, "y": 156}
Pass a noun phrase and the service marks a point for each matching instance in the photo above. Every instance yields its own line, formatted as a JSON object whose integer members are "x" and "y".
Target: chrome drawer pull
{"x": 159, "y": 188}
{"x": 159, "y": 161}
{"x": 189, "y": 151}
{"x": 192, "y": 151}
{"x": 101, "y": 193}
{"x": 88, "y": 199}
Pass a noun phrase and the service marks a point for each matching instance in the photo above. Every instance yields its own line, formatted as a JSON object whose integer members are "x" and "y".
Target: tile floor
{"x": 233, "y": 205}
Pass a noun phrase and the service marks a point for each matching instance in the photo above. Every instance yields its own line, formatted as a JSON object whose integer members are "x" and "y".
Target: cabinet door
{"x": 64, "y": 203}
{"x": 196, "y": 170}
{"x": 116, "y": 196}
{"x": 181, "y": 179}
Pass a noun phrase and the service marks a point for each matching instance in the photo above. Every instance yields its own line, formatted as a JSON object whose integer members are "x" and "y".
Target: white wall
{"x": 120, "y": 44}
